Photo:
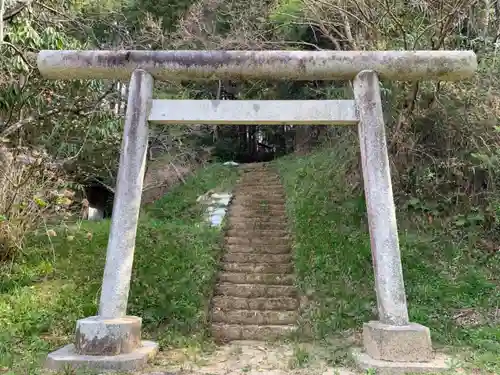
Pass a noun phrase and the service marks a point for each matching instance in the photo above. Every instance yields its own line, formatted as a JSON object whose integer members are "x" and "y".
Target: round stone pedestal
{"x": 96, "y": 335}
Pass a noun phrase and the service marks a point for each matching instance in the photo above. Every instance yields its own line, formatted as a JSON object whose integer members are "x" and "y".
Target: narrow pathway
{"x": 255, "y": 298}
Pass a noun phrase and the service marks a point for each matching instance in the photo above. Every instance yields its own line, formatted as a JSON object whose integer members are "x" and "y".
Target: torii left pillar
{"x": 112, "y": 340}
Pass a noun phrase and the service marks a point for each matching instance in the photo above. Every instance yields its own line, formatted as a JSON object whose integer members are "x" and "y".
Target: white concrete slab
{"x": 261, "y": 112}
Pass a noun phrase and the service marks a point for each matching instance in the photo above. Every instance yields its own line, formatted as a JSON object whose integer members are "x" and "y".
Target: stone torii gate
{"x": 112, "y": 340}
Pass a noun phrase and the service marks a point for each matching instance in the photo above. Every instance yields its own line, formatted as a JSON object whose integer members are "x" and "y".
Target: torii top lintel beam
{"x": 272, "y": 65}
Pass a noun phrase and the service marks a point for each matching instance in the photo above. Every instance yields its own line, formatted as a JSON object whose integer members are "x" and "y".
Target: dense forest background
{"x": 57, "y": 137}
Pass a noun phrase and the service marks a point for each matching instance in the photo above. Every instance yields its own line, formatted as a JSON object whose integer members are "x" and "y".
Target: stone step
{"x": 258, "y": 220}
{"x": 258, "y": 180}
{"x": 275, "y": 249}
{"x": 255, "y": 290}
{"x": 281, "y": 268}
{"x": 248, "y": 215}
{"x": 262, "y": 169}
{"x": 255, "y": 298}
{"x": 251, "y": 177}
{"x": 257, "y": 204}
{"x": 237, "y": 303}
{"x": 258, "y": 170}
{"x": 264, "y": 193}
{"x": 254, "y": 317}
{"x": 265, "y": 168}
{"x": 256, "y": 241}
{"x": 259, "y": 186}
{"x": 262, "y": 165}
{"x": 256, "y": 210}
{"x": 246, "y": 212}
{"x": 258, "y": 200}
{"x": 248, "y": 225}
{"x": 256, "y": 278}
{"x": 260, "y": 233}
{"x": 257, "y": 258}
{"x": 229, "y": 332}
{"x": 260, "y": 192}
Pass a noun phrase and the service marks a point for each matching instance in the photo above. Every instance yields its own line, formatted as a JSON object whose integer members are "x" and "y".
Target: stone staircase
{"x": 255, "y": 297}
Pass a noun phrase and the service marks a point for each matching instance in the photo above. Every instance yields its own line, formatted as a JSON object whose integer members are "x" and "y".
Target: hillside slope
{"x": 452, "y": 285}
{"x": 57, "y": 279}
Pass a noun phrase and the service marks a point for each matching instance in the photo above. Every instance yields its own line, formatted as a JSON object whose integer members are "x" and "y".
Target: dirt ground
{"x": 246, "y": 357}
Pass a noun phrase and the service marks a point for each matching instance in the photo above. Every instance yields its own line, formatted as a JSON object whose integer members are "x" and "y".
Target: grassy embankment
{"x": 57, "y": 280}
{"x": 452, "y": 287}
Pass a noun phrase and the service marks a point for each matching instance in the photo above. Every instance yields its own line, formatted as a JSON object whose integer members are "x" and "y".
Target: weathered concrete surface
{"x": 67, "y": 356}
{"x": 95, "y": 214}
{"x": 225, "y": 303}
{"x": 255, "y": 290}
{"x": 259, "y": 257}
{"x": 250, "y": 358}
{"x": 227, "y": 332}
{"x": 254, "y": 317}
{"x": 101, "y": 336}
{"x": 121, "y": 244}
{"x": 280, "y": 268}
{"x": 410, "y": 343}
{"x": 258, "y": 112}
{"x": 439, "y": 364}
{"x": 276, "y": 249}
{"x": 389, "y": 284}
{"x": 245, "y": 65}
{"x": 217, "y": 206}
{"x": 259, "y": 278}
{"x": 255, "y": 296}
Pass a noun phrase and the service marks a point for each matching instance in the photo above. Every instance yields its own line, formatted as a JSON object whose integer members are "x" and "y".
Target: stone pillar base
{"x": 409, "y": 343}
{"x": 107, "y": 336}
{"x": 105, "y": 344}
{"x": 363, "y": 361}
{"x": 398, "y": 349}
{"x": 68, "y": 356}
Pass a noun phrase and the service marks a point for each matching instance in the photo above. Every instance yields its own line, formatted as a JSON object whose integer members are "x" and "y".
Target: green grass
{"x": 333, "y": 263}
{"x": 56, "y": 281}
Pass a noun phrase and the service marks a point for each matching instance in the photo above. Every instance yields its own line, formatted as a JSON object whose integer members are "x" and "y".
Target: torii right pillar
{"x": 392, "y": 345}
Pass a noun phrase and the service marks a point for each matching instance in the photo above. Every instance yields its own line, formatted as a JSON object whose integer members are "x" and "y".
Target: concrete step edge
{"x": 230, "y": 332}
{"x": 254, "y": 317}
{"x": 257, "y": 258}
{"x": 256, "y": 278}
{"x": 257, "y": 303}
{"x": 254, "y": 290}
{"x": 283, "y": 268}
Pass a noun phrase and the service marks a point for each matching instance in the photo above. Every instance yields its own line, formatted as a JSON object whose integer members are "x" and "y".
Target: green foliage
{"x": 451, "y": 287}
{"x": 288, "y": 16}
{"x": 169, "y": 12}
{"x": 226, "y": 149}
{"x": 332, "y": 250}
{"x": 57, "y": 280}
{"x": 443, "y": 141}
{"x": 30, "y": 195}
{"x": 60, "y": 117}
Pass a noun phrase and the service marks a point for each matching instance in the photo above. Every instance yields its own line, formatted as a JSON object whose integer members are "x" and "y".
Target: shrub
{"x": 30, "y": 194}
